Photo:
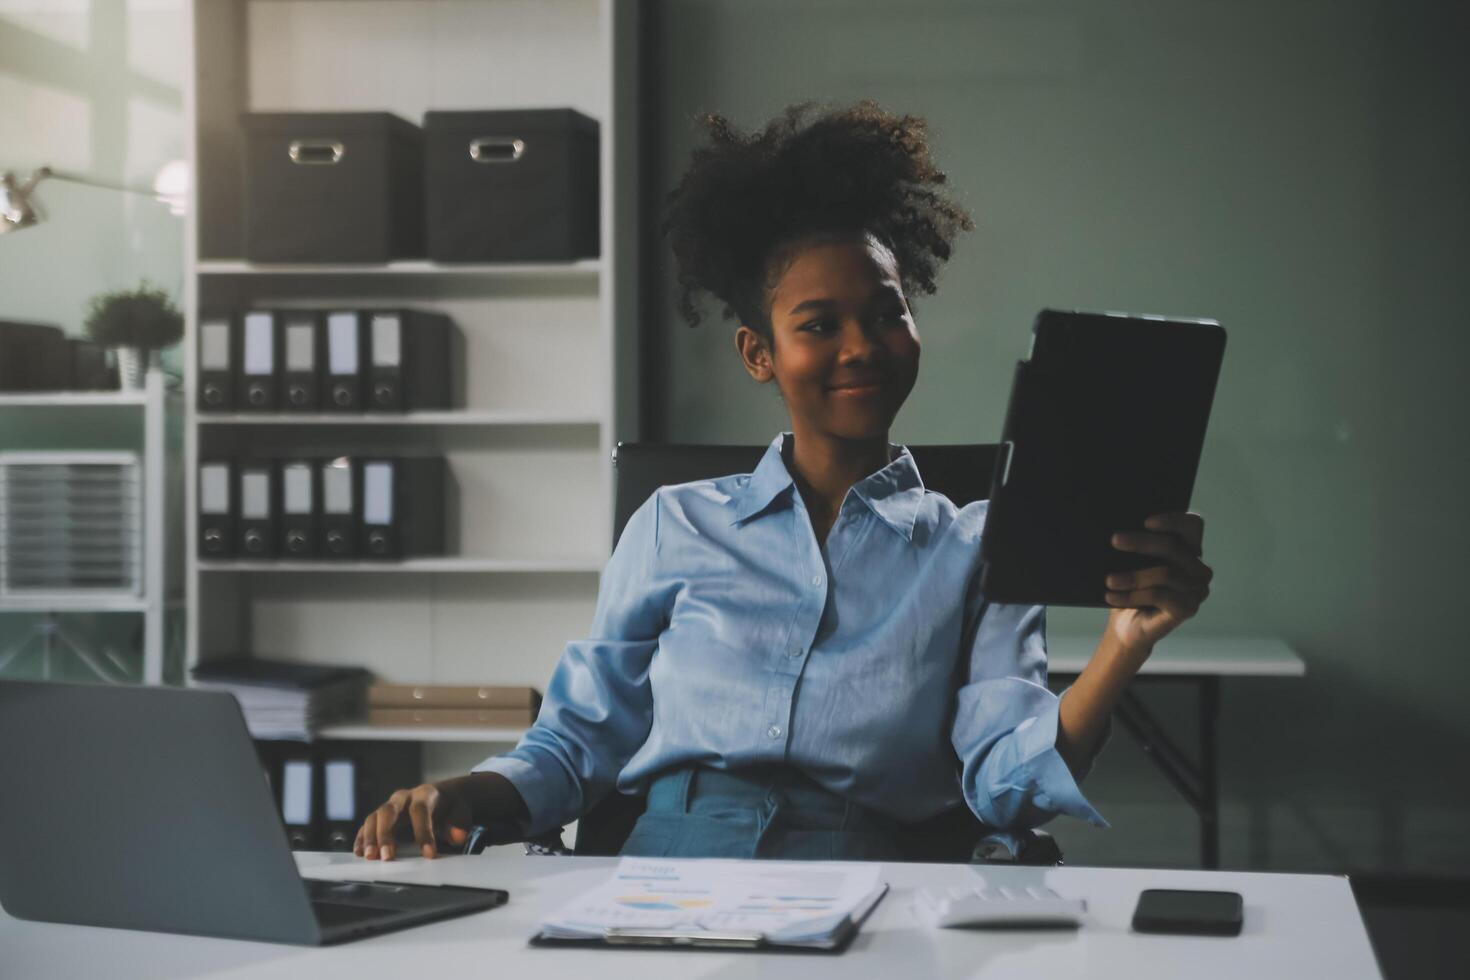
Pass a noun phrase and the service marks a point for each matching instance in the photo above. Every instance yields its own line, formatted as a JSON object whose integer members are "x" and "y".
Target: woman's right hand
{"x": 438, "y": 814}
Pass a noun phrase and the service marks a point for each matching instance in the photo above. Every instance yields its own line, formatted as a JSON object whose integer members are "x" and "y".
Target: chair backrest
{"x": 962, "y": 473}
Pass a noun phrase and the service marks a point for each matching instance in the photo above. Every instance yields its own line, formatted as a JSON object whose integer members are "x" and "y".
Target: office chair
{"x": 962, "y": 473}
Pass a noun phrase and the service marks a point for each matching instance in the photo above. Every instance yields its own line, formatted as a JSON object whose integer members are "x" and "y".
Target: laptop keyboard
{"x": 348, "y": 892}
{"x": 346, "y": 902}
{"x": 349, "y": 903}
{"x": 331, "y": 914}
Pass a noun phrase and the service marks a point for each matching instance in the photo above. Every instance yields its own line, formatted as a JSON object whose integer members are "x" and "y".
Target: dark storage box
{"x": 89, "y": 368}
{"x": 333, "y": 187}
{"x": 34, "y": 357}
{"x": 511, "y": 186}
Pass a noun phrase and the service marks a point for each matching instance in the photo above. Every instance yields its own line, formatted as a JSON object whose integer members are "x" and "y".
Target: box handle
{"x": 496, "y": 149}
{"x": 316, "y": 151}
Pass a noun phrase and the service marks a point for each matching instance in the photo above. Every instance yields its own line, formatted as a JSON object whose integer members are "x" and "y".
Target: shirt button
{"x": 796, "y": 653}
{"x": 816, "y": 580}
{"x": 774, "y": 731}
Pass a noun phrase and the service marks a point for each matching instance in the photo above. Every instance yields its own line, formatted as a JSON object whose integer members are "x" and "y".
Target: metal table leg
{"x": 1209, "y": 776}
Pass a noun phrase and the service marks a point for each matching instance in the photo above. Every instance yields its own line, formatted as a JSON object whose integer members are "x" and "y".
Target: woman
{"x": 798, "y": 662}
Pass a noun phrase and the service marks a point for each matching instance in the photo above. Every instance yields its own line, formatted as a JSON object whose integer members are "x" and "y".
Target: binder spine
{"x": 342, "y": 800}
{"x": 216, "y": 518}
{"x": 299, "y": 507}
{"x": 300, "y": 791}
{"x": 391, "y": 346}
{"x": 346, "y": 361}
{"x": 260, "y": 362}
{"x": 300, "y": 342}
{"x": 340, "y": 484}
{"x": 256, "y": 496}
{"x": 218, "y": 353}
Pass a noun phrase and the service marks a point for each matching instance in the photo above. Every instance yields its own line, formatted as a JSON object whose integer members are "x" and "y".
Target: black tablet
{"x": 1105, "y": 427}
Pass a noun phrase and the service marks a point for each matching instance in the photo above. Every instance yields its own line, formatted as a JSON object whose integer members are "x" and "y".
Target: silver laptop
{"x": 146, "y": 808}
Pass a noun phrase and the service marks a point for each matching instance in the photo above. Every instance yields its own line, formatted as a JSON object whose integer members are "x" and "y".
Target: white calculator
{"x": 983, "y": 904}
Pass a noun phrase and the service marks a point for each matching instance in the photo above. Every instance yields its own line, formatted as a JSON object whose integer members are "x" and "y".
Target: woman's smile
{"x": 859, "y": 388}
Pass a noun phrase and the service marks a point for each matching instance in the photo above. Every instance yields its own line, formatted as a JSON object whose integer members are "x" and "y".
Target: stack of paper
{"x": 287, "y": 700}
{"x": 720, "y": 902}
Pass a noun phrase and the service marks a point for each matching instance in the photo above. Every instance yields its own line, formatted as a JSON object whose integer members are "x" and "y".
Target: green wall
{"x": 1296, "y": 170}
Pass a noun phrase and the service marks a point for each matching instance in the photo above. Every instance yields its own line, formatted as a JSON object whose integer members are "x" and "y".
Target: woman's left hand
{"x": 1150, "y": 603}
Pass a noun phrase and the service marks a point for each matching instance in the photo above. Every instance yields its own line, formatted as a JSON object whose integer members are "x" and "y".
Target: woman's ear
{"x": 755, "y": 354}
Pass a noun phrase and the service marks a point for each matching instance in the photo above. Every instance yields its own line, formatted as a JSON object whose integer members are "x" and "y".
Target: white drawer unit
{"x": 71, "y": 526}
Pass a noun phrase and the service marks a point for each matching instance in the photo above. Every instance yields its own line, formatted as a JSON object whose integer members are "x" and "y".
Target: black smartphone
{"x": 1191, "y": 913}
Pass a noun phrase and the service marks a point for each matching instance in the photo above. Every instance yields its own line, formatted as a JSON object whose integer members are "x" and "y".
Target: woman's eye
{"x": 817, "y": 326}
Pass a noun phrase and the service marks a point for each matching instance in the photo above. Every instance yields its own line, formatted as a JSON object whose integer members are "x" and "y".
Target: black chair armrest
{"x": 1018, "y": 847}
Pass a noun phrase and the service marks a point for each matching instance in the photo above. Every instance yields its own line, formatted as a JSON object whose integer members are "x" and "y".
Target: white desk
{"x": 1295, "y": 926}
{"x": 1190, "y": 656}
{"x": 1201, "y": 661}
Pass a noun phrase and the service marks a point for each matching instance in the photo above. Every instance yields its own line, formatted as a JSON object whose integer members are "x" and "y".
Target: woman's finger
{"x": 1166, "y": 576}
{"x": 367, "y": 837}
{"x": 1164, "y": 545}
{"x": 423, "y": 828}
{"x": 1187, "y": 524}
{"x": 385, "y": 819}
{"x": 1179, "y": 606}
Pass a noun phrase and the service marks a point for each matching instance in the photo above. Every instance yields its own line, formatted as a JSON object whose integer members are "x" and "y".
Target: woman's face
{"x": 846, "y": 352}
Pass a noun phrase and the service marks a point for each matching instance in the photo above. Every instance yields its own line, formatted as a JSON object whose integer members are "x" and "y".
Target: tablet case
{"x": 1104, "y": 428}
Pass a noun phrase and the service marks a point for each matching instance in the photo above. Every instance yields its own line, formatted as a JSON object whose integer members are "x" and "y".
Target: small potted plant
{"x": 137, "y": 323}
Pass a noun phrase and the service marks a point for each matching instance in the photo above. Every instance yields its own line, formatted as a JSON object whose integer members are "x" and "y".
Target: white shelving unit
{"x": 584, "y": 268}
{"x": 73, "y": 399}
{"x": 153, "y": 600}
{"x": 462, "y": 417}
{"x": 413, "y": 566}
{"x": 550, "y": 375}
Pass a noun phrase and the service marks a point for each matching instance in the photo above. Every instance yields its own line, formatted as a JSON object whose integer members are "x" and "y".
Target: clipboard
{"x": 1105, "y": 427}
{"x": 839, "y": 939}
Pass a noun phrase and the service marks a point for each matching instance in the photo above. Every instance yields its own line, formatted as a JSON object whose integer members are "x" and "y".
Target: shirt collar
{"x": 893, "y": 493}
{"x": 769, "y": 481}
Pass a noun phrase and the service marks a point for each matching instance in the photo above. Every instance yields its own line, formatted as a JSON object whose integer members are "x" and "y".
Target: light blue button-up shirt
{"x": 726, "y": 635}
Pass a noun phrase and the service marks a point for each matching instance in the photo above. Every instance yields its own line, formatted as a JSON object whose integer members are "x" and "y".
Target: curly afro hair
{"x": 748, "y": 199}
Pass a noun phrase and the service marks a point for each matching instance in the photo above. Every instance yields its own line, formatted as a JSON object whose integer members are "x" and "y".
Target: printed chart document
{"x": 723, "y": 903}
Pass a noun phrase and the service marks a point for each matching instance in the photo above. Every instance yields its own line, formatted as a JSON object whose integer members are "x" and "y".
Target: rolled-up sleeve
{"x": 1005, "y": 728}
{"x": 598, "y": 706}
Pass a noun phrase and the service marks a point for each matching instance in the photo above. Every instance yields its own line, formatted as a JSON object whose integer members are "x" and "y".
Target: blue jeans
{"x": 772, "y": 812}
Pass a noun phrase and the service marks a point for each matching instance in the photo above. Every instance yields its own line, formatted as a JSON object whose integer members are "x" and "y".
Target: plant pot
{"x": 131, "y": 362}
